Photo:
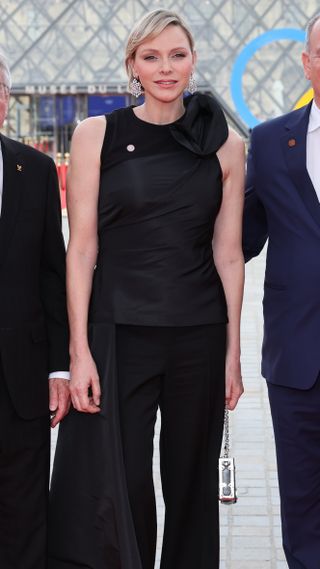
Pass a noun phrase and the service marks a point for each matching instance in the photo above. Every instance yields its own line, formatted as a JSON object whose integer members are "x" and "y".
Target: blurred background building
{"x": 66, "y": 58}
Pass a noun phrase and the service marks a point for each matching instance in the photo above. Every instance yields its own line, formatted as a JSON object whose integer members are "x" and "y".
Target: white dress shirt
{"x": 55, "y": 374}
{"x": 313, "y": 147}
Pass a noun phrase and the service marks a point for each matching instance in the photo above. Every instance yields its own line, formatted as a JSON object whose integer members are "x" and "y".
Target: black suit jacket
{"x": 33, "y": 318}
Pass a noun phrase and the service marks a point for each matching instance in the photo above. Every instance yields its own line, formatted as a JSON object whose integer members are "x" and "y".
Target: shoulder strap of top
{"x": 107, "y": 136}
{"x": 113, "y": 130}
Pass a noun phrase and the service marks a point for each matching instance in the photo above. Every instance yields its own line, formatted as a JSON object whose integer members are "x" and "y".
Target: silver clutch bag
{"x": 227, "y": 478}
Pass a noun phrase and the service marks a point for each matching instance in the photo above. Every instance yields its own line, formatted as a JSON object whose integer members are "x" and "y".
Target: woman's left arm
{"x": 228, "y": 256}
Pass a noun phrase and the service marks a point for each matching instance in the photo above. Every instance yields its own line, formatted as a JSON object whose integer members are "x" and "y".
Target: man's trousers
{"x": 296, "y": 421}
{"x": 24, "y": 474}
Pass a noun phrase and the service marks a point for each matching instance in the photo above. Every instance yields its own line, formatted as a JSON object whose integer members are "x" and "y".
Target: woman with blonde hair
{"x": 155, "y": 282}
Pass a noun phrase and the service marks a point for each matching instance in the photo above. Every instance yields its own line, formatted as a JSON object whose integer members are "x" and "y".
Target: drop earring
{"x": 192, "y": 85}
{"x": 135, "y": 87}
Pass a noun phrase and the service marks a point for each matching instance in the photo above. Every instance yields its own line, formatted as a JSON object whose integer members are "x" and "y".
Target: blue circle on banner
{"x": 242, "y": 61}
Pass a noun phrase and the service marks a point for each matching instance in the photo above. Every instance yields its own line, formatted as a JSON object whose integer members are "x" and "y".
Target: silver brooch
{"x": 131, "y": 147}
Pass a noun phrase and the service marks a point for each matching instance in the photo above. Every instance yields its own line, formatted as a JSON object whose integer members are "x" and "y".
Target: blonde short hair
{"x": 149, "y": 27}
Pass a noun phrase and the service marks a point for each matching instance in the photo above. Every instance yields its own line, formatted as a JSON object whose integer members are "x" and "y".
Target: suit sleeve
{"x": 255, "y": 226}
{"x": 53, "y": 277}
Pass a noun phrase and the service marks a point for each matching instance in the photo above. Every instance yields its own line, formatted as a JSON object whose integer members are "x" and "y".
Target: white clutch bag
{"x": 227, "y": 469}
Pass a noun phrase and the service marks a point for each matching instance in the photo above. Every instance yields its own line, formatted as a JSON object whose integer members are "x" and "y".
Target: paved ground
{"x": 250, "y": 529}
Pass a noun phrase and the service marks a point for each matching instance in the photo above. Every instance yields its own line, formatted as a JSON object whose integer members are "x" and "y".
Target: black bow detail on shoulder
{"x": 203, "y": 127}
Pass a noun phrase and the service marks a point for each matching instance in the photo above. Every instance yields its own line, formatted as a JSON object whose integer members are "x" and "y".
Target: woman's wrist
{"x": 79, "y": 350}
{"x": 233, "y": 353}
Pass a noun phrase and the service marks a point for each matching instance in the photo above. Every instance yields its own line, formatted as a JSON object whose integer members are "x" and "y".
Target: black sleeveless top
{"x": 160, "y": 193}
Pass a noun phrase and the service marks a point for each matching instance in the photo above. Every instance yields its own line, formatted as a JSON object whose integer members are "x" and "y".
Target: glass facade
{"x": 66, "y": 58}
{"x": 46, "y": 121}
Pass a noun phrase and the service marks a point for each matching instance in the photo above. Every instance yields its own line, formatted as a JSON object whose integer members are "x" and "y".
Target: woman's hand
{"x": 84, "y": 384}
{"x": 234, "y": 385}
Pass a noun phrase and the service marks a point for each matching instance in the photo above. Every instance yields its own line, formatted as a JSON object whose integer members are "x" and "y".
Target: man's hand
{"x": 59, "y": 399}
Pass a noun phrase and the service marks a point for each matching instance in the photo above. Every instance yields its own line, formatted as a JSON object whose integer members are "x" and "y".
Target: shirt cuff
{"x": 59, "y": 375}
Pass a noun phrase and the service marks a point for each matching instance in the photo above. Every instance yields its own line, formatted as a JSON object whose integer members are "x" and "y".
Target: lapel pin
{"x": 292, "y": 142}
{"x": 19, "y": 168}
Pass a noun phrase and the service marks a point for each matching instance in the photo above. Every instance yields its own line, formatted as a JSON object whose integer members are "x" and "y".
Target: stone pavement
{"x": 250, "y": 529}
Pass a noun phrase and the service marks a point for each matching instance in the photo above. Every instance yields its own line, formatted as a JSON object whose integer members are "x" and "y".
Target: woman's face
{"x": 164, "y": 64}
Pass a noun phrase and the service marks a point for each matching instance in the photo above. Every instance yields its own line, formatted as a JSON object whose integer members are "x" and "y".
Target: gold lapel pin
{"x": 19, "y": 167}
{"x": 292, "y": 142}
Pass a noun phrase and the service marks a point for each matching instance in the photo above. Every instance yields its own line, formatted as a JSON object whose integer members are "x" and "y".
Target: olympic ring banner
{"x": 240, "y": 65}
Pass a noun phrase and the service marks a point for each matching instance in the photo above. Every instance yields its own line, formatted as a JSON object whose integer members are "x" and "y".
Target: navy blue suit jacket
{"x": 281, "y": 205}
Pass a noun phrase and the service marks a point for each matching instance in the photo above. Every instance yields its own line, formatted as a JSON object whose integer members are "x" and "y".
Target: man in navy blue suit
{"x": 282, "y": 205}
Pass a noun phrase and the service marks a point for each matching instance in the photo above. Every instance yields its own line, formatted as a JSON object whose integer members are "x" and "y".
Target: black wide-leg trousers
{"x": 181, "y": 370}
{"x": 24, "y": 486}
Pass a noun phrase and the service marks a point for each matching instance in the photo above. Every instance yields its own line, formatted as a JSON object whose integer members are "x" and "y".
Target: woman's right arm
{"x": 82, "y": 198}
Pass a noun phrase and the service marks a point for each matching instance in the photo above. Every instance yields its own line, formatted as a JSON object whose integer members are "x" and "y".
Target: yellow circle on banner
{"x": 305, "y": 99}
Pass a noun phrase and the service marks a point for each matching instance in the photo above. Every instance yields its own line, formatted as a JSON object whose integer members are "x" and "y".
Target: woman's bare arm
{"x": 227, "y": 251}
{"x": 82, "y": 198}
